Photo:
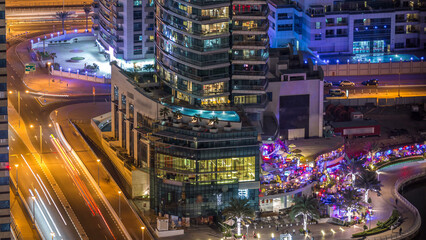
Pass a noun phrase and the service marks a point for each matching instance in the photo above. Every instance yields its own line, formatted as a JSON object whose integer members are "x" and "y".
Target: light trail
{"x": 79, "y": 183}
{"x": 41, "y": 183}
{"x": 36, "y": 203}
{"x": 47, "y": 211}
{"x": 53, "y": 201}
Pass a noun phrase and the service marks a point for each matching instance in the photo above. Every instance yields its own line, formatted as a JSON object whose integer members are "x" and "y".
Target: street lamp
{"x": 98, "y": 161}
{"x": 143, "y": 236}
{"x": 19, "y": 105}
{"x": 247, "y": 230}
{"x": 41, "y": 139}
{"x": 17, "y": 183}
{"x": 119, "y": 204}
{"x": 52, "y": 234}
{"x": 48, "y": 68}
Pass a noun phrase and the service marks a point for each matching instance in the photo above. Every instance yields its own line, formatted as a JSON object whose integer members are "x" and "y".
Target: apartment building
{"x": 353, "y": 27}
{"x": 125, "y": 31}
{"x": 4, "y": 146}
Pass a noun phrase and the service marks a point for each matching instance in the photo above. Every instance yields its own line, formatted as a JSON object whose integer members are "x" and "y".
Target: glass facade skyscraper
{"x": 210, "y": 56}
{"x": 212, "y": 53}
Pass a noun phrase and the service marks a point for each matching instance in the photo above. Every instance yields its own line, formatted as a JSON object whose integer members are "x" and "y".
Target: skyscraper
{"x": 125, "y": 31}
{"x": 4, "y": 147}
{"x": 211, "y": 53}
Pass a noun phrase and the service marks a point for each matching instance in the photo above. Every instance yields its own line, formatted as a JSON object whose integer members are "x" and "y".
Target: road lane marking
{"x": 52, "y": 201}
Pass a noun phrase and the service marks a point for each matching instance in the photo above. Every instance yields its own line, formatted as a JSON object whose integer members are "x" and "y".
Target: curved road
{"x": 94, "y": 225}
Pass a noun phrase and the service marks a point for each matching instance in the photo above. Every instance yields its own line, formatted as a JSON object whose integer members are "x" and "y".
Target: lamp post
{"x": 52, "y": 234}
{"x": 143, "y": 236}
{"x": 34, "y": 199}
{"x": 98, "y": 161}
{"x": 17, "y": 183}
{"x": 41, "y": 139}
{"x": 48, "y": 69}
{"x": 247, "y": 226}
{"x": 19, "y": 106}
{"x": 119, "y": 204}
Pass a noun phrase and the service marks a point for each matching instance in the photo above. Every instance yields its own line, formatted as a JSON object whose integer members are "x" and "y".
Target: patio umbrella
{"x": 297, "y": 151}
{"x": 230, "y": 222}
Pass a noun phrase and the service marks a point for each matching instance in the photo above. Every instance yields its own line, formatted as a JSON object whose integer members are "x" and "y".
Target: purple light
{"x": 38, "y": 39}
{"x": 390, "y": 59}
{"x": 385, "y": 26}
{"x": 32, "y": 41}
{"x": 60, "y": 68}
{"x": 59, "y": 33}
{"x": 422, "y": 58}
{"x": 69, "y": 69}
{"x": 75, "y": 30}
{"x": 400, "y": 59}
{"x": 347, "y": 60}
{"x": 411, "y": 58}
{"x": 51, "y": 35}
{"x": 366, "y": 28}
{"x": 375, "y": 27}
{"x": 337, "y": 61}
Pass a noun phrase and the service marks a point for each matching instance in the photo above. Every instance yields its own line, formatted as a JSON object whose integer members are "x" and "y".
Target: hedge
{"x": 392, "y": 219}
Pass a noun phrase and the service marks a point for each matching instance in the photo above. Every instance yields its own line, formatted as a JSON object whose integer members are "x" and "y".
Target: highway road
{"x": 47, "y": 208}
{"x": 84, "y": 201}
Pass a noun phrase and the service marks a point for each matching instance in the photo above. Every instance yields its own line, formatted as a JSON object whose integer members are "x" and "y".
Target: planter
{"x": 213, "y": 130}
{"x": 227, "y": 128}
{"x": 177, "y": 124}
{"x": 196, "y": 128}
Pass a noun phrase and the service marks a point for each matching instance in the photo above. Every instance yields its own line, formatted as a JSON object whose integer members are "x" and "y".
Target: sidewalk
{"x": 21, "y": 218}
{"x": 41, "y": 81}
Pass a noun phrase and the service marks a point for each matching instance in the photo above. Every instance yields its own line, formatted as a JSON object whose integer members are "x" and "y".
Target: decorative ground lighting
{"x": 59, "y": 34}
{"x": 51, "y": 35}
{"x": 75, "y": 30}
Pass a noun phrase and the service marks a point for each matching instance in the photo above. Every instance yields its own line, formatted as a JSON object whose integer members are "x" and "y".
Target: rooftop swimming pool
{"x": 364, "y": 58}
{"x": 230, "y": 116}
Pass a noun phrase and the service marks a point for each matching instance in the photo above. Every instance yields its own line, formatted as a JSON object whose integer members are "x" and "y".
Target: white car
{"x": 346, "y": 83}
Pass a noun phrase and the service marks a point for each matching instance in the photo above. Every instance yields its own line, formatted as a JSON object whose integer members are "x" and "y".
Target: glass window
{"x": 318, "y": 25}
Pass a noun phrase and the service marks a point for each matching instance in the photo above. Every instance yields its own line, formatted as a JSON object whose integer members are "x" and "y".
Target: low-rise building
{"x": 334, "y": 27}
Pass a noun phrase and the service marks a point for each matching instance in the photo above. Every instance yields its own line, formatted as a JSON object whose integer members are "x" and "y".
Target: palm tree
{"x": 368, "y": 181}
{"x": 64, "y": 15}
{"x": 44, "y": 45}
{"x": 53, "y": 56}
{"x": 305, "y": 206}
{"x": 164, "y": 112}
{"x": 350, "y": 201}
{"x": 148, "y": 67}
{"x": 87, "y": 10}
{"x": 196, "y": 118}
{"x": 177, "y": 115}
{"x": 213, "y": 121}
{"x": 372, "y": 149}
{"x": 351, "y": 167}
{"x": 240, "y": 210}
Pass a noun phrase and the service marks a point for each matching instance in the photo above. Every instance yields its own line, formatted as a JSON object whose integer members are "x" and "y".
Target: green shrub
{"x": 381, "y": 226}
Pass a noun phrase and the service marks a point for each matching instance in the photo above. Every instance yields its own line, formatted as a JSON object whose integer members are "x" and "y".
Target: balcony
{"x": 262, "y": 86}
{"x": 262, "y": 57}
{"x": 260, "y": 28}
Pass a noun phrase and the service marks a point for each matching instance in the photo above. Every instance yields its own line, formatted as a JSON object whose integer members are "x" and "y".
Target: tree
{"x": 164, "y": 112}
{"x": 53, "y": 56}
{"x": 368, "y": 182}
{"x": 197, "y": 118}
{"x": 177, "y": 115}
{"x": 306, "y": 207}
{"x": 371, "y": 148}
{"x": 64, "y": 15}
{"x": 350, "y": 201}
{"x": 240, "y": 210}
{"x": 44, "y": 45}
{"x": 148, "y": 67}
{"x": 213, "y": 121}
{"x": 87, "y": 10}
{"x": 351, "y": 167}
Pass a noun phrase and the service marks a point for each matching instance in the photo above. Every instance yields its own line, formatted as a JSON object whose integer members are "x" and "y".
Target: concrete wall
{"x": 80, "y": 76}
{"x": 315, "y": 90}
{"x": 350, "y": 69}
{"x": 377, "y": 101}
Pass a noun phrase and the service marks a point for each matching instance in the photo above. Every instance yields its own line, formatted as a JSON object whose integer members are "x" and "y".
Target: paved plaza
{"x": 85, "y": 48}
